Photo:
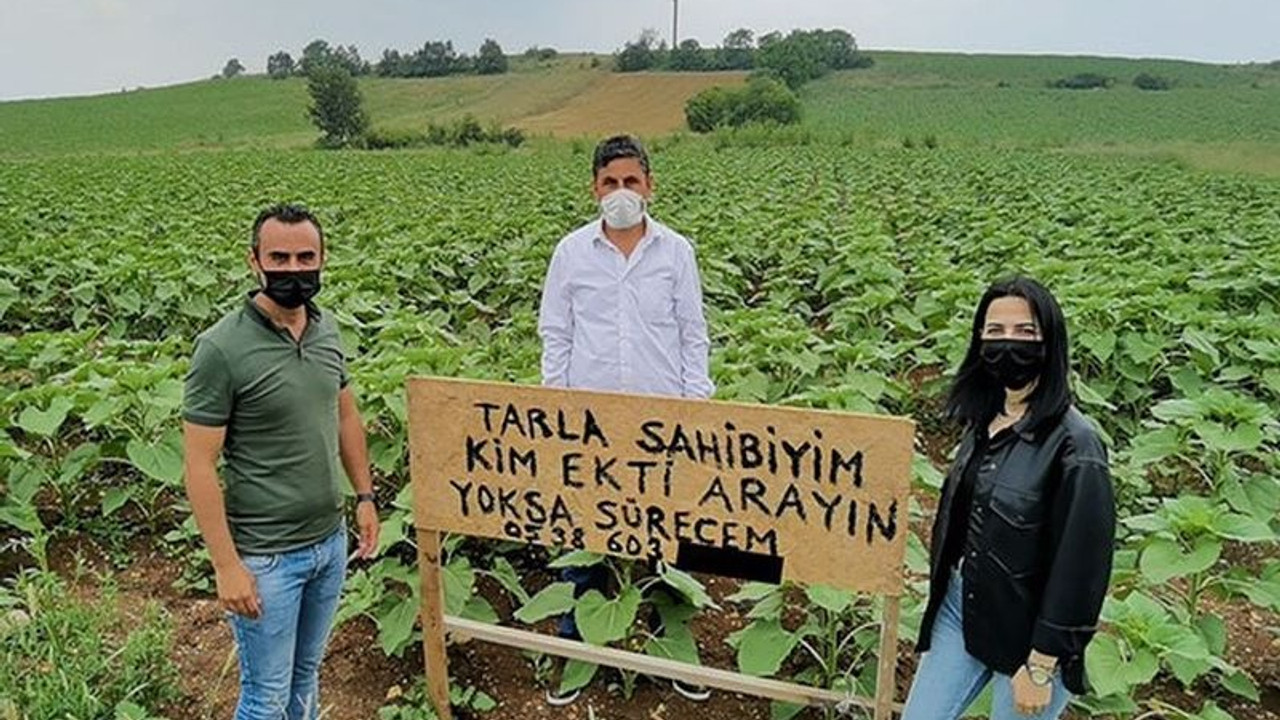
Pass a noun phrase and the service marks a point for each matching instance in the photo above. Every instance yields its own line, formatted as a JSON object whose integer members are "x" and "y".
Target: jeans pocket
{"x": 261, "y": 564}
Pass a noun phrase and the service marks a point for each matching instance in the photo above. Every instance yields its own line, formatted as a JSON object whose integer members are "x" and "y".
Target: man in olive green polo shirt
{"x": 268, "y": 393}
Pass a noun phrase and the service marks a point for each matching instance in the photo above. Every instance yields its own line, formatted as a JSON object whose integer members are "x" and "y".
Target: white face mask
{"x": 623, "y": 209}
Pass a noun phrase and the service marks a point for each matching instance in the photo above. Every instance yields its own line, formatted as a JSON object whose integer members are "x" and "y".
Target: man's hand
{"x": 367, "y": 524}
{"x": 1030, "y": 699}
{"x": 238, "y": 591}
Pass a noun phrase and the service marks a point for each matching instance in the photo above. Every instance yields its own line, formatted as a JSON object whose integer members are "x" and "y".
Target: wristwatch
{"x": 366, "y": 497}
{"x": 1039, "y": 674}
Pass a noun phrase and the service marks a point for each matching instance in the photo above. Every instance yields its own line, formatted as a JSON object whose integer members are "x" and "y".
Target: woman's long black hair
{"x": 976, "y": 397}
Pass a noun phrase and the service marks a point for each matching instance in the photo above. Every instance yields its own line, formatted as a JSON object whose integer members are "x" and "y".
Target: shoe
{"x": 555, "y": 699}
{"x": 695, "y": 693}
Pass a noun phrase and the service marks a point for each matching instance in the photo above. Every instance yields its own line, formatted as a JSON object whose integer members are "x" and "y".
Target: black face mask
{"x": 291, "y": 288}
{"x": 1013, "y": 363}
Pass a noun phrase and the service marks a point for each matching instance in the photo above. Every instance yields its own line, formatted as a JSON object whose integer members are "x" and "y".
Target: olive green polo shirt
{"x": 278, "y": 400}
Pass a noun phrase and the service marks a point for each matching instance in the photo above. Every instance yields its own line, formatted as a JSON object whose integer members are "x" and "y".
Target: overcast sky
{"x": 70, "y": 47}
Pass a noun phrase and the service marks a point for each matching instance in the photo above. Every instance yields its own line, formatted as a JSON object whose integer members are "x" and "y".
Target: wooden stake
{"x": 433, "y": 628}
{"x": 886, "y": 677}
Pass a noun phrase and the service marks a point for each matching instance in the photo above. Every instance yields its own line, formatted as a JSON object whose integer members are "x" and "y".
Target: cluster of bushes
{"x": 433, "y": 59}
{"x": 762, "y": 100}
{"x": 1092, "y": 81}
{"x": 464, "y": 132}
{"x": 1147, "y": 81}
{"x": 1082, "y": 81}
{"x": 796, "y": 58}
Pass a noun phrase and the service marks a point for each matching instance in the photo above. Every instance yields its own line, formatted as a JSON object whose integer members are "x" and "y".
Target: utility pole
{"x": 675, "y": 24}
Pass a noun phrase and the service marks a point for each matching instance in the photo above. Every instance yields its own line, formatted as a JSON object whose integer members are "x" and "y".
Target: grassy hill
{"x": 1212, "y": 111}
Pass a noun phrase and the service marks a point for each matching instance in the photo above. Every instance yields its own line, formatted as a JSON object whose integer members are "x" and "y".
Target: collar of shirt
{"x": 651, "y": 234}
{"x": 257, "y": 313}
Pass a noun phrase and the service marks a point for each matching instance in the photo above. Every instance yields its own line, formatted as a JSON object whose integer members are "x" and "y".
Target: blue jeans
{"x": 949, "y": 679}
{"x": 281, "y": 650}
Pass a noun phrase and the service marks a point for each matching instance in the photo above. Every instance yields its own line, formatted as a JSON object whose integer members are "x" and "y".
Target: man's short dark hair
{"x": 289, "y": 215}
{"x": 619, "y": 147}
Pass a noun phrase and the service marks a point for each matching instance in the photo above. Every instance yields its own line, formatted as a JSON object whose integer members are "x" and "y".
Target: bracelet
{"x": 1039, "y": 674}
{"x": 366, "y": 497}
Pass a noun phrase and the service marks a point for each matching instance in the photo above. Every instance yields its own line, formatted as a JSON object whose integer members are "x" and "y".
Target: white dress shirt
{"x": 632, "y": 325}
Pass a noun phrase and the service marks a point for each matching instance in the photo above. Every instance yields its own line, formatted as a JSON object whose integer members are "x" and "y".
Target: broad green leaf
{"x": 483, "y": 702}
{"x": 507, "y": 576}
{"x": 22, "y": 517}
{"x": 924, "y": 473}
{"x": 829, "y": 598}
{"x": 763, "y": 646}
{"x": 160, "y": 461}
{"x": 1187, "y": 671}
{"x": 555, "y": 599}
{"x": 576, "y": 675}
{"x": 395, "y": 628}
{"x": 577, "y": 558}
{"x": 1164, "y": 560}
{"x": 480, "y": 610}
{"x": 126, "y": 710}
{"x": 602, "y": 621}
{"x": 114, "y": 499}
{"x": 1241, "y": 684}
{"x": 1211, "y": 711}
{"x": 784, "y": 711}
{"x": 459, "y": 582}
{"x": 1214, "y": 631}
{"x": 45, "y": 423}
{"x": 688, "y": 586}
{"x": 1104, "y": 663}
{"x": 1243, "y": 528}
{"x": 676, "y": 644}
{"x": 753, "y": 591}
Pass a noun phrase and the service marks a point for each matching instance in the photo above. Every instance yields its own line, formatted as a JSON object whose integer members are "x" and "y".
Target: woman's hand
{"x": 1029, "y": 698}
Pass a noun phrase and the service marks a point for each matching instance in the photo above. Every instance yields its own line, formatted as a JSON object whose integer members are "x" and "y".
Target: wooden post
{"x": 886, "y": 676}
{"x": 433, "y": 628}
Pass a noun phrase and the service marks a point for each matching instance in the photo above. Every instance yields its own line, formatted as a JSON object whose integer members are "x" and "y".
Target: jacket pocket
{"x": 1014, "y": 532}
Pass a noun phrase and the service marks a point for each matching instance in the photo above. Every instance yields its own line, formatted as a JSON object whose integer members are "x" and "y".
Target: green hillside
{"x": 1212, "y": 112}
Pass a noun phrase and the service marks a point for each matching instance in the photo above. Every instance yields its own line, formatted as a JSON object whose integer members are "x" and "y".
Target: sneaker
{"x": 556, "y": 699}
{"x": 695, "y": 693}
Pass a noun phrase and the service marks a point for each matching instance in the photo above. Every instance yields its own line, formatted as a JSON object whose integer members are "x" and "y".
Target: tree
{"x": 317, "y": 53}
{"x": 491, "y": 61}
{"x": 232, "y": 69}
{"x": 336, "y": 105}
{"x": 393, "y": 64}
{"x": 640, "y": 54}
{"x": 434, "y": 59}
{"x": 280, "y": 65}
{"x": 688, "y": 57}
{"x": 806, "y": 55}
{"x": 738, "y": 51}
{"x": 349, "y": 58}
{"x": 762, "y": 100}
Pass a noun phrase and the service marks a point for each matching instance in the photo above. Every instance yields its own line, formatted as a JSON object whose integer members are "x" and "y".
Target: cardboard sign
{"x": 753, "y": 491}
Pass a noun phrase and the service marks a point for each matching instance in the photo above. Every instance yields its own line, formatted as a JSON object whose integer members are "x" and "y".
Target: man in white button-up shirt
{"x": 622, "y": 306}
{"x": 622, "y": 312}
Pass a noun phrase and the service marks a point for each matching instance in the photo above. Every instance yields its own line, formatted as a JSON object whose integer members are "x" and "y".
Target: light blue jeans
{"x": 281, "y": 650}
{"x": 949, "y": 679}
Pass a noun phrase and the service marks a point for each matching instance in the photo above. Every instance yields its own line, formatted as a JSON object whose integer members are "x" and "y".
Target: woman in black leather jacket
{"x": 1022, "y": 542}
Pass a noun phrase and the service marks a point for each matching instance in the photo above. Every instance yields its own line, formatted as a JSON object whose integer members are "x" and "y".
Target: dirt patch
{"x": 357, "y": 678}
{"x": 642, "y": 103}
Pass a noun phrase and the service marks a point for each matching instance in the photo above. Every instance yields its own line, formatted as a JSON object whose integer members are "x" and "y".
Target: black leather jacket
{"x": 1037, "y": 556}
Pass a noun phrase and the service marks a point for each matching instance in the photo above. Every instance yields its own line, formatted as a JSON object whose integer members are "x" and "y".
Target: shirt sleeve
{"x": 695, "y": 346}
{"x": 208, "y": 397}
{"x": 1082, "y": 523}
{"x": 555, "y": 322}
